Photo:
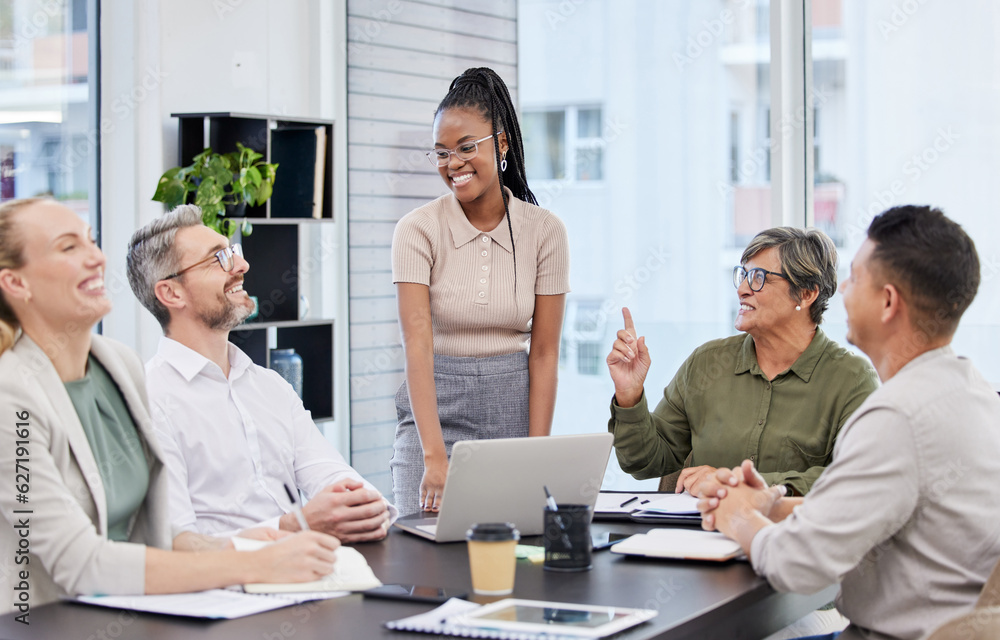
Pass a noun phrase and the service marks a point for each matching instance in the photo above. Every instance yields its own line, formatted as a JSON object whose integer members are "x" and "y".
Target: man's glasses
{"x": 754, "y": 277}
{"x": 226, "y": 258}
{"x": 465, "y": 151}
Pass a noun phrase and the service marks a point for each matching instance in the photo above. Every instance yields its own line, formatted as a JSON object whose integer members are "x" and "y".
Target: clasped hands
{"x": 737, "y": 502}
{"x": 345, "y": 509}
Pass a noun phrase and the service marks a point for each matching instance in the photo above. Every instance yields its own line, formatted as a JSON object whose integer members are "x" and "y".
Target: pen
{"x": 629, "y": 501}
{"x": 296, "y": 509}
{"x": 549, "y": 500}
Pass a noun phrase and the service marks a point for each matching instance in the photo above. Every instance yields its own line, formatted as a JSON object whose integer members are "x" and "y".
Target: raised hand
{"x": 628, "y": 363}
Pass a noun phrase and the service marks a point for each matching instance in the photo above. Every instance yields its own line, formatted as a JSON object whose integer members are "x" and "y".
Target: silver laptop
{"x": 502, "y": 481}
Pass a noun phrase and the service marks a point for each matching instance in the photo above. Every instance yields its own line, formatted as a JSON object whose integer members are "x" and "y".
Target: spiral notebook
{"x": 515, "y": 619}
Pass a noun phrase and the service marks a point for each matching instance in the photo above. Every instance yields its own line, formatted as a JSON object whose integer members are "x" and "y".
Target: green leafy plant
{"x": 218, "y": 181}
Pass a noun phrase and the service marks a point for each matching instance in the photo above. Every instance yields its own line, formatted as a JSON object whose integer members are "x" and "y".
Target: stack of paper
{"x": 681, "y": 544}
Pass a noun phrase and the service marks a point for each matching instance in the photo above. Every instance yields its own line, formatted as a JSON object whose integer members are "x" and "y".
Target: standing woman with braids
{"x": 480, "y": 273}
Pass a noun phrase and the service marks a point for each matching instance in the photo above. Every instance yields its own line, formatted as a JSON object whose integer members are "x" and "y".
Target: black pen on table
{"x": 629, "y": 501}
{"x": 296, "y": 509}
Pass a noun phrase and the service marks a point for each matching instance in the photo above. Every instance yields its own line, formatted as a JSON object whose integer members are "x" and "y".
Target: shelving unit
{"x": 282, "y": 262}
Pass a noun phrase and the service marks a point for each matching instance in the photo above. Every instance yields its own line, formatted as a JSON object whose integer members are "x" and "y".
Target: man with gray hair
{"x": 235, "y": 435}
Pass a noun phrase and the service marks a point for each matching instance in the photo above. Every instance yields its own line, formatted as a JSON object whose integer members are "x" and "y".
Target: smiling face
{"x": 214, "y": 296}
{"x": 861, "y": 291}
{"x": 772, "y": 308}
{"x": 63, "y": 270}
{"x": 472, "y": 180}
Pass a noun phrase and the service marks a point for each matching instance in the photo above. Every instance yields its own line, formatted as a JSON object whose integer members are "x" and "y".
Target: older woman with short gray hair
{"x": 777, "y": 393}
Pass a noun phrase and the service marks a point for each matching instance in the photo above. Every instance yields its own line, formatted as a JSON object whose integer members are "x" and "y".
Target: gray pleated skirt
{"x": 478, "y": 399}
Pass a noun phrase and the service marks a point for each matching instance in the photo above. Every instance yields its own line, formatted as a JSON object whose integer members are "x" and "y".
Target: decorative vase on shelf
{"x": 288, "y": 364}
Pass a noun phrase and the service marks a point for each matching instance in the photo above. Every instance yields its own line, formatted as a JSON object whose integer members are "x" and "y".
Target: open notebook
{"x": 350, "y": 573}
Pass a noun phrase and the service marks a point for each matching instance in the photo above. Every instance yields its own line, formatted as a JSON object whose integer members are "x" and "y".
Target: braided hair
{"x": 482, "y": 89}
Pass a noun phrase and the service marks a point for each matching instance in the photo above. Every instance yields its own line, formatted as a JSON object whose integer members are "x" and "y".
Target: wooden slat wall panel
{"x": 450, "y": 19}
{"x": 401, "y": 57}
{"x": 376, "y": 208}
{"x": 497, "y": 8}
{"x": 378, "y": 56}
{"x": 430, "y": 40}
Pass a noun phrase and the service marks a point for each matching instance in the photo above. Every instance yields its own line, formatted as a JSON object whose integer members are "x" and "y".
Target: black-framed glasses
{"x": 226, "y": 258}
{"x": 754, "y": 277}
{"x": 465, "y": 152}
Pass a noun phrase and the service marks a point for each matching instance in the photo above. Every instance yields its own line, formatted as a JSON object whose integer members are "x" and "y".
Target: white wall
{"x": 160, "y": 57}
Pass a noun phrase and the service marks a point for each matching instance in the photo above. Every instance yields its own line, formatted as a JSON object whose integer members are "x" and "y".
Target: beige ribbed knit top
{"x": 470, "y": 273}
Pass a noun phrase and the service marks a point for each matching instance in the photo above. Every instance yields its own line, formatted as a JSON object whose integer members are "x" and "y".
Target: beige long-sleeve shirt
{"x": 475, "y": 310}
{"x": 905, "y": 517}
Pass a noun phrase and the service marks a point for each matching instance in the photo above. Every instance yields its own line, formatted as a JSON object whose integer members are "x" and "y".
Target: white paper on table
{"x": 674, "y": 504}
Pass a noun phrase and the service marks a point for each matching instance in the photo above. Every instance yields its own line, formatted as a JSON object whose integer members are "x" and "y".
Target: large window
{"x": 660, "y": 169}
{"x": 909, "y": 116}
{"x": 48, "y": 139}
{"x": 564, "y": 144}
{"x": 696, "y": 159}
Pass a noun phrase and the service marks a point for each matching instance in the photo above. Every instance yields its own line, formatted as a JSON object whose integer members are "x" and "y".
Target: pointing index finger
{"x": 629, "y": 325}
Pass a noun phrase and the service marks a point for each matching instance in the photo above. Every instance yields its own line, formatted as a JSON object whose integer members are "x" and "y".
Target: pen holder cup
{"x": 492, "y": 557}
{"x": 568, "y": 546}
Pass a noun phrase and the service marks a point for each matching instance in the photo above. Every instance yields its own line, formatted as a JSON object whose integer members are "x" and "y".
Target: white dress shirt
{"x": 230, "y": 445}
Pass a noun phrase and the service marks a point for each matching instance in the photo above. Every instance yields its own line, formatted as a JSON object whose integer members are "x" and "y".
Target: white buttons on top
{"x": 485, "y": 268}
{"x": 485, "y": 254}
{"x": 482, "y": 294}
{"x": 486, "y": 238}
{"x": 482, "y": 280}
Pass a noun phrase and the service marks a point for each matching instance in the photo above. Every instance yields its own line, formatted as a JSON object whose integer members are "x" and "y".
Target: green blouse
{"x": 722, "y": 409}
{"x": 115, "y": 443}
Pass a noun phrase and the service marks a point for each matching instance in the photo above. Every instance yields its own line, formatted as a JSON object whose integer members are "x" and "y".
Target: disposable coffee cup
{"x": 567, "y": 542}
{"x": 491, "y": 557}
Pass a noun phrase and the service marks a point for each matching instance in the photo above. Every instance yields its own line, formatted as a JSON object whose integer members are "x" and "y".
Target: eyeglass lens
{"x": 755, "y": 278}
{"x": 465, "y": 151}
{"x": 226, "y": 259}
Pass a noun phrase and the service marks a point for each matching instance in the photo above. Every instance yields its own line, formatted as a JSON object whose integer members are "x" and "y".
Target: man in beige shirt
{"x": 905, "y": 515}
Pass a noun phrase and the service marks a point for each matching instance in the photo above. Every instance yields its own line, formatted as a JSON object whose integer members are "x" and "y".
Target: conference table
{"x": 696, "y": 600}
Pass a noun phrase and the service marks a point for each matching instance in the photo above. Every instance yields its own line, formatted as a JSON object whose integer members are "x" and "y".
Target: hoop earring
{"x": 503, "y": 164}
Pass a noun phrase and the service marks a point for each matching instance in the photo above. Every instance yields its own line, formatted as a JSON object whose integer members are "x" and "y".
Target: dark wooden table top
{"x": 694, "y": 600}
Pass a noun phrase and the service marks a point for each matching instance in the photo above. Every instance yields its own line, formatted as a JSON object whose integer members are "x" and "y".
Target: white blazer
{"x": 67, "y": 525}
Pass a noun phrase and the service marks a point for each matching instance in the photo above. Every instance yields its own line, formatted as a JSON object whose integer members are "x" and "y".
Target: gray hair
{"x": 151, "y": 256}
{"x": 809, "y": 259}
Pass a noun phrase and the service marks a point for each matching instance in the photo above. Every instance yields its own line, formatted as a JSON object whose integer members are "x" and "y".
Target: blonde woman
{"x": 90, "y": 490}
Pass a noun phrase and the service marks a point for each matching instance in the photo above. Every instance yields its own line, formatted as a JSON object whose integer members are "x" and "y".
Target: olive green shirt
{"x": 722, "y": 409}
{"x": 115, "y": 444}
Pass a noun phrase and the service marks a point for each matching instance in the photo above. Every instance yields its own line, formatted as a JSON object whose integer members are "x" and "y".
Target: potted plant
{"x": 222, "y": 183}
